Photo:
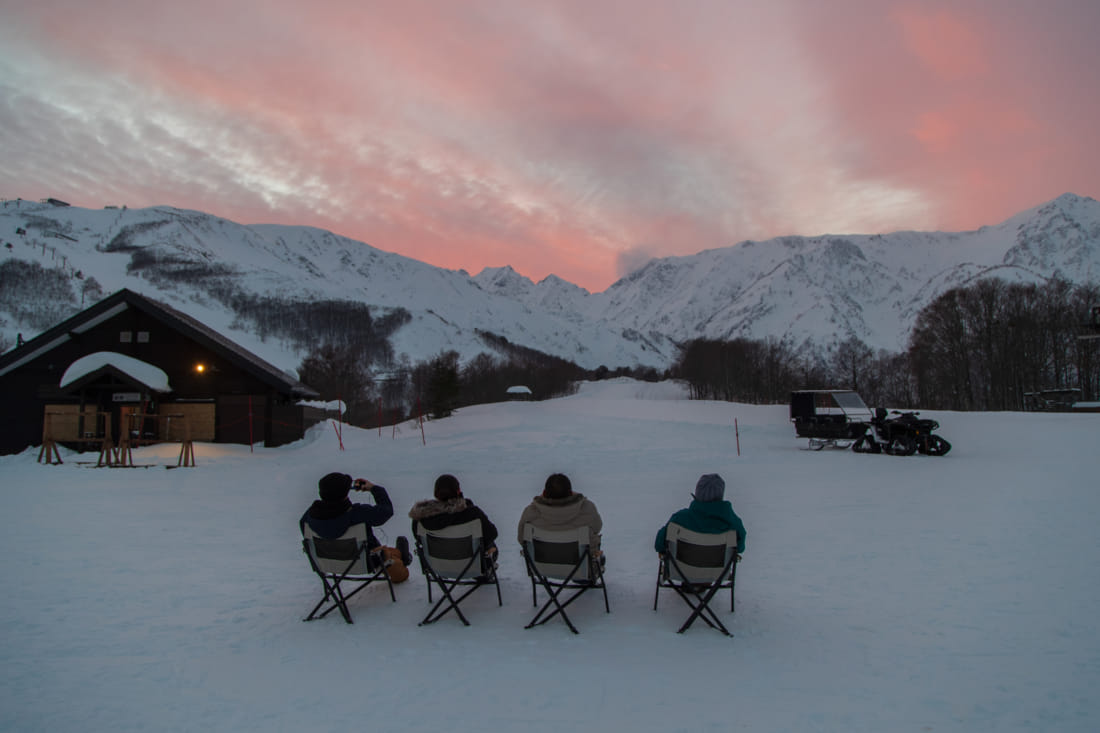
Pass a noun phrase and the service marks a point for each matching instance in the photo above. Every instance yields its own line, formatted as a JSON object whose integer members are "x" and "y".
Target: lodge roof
{"x": 201, "y": 333}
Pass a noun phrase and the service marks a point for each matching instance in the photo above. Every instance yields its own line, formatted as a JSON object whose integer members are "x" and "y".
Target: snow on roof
{"x": 519, "y": 389}
{"x": 334, "y": 405}
{"x": 140, "y": 371}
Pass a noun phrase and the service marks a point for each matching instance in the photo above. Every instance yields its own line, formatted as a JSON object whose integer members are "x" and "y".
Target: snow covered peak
{"x": 807, "y": 290}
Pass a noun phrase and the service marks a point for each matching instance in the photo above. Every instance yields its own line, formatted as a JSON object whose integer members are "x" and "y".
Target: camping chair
{"x": 451, "y": 557}
{"x": 345, "y": 559}
{"x": 560, "y": 560}
{"x": 697, "y": 566}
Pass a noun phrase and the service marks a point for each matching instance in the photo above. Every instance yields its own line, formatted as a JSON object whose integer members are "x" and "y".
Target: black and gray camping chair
{"x": 454, "y": 557}
{"x": 697, "y": 566}
{"x": 559, "y": 561}
{"x": 344, "y": 560}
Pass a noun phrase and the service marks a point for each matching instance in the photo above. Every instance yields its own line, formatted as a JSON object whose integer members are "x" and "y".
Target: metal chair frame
{"x": 346, "y": 559}
{"x": 561, "y": 561}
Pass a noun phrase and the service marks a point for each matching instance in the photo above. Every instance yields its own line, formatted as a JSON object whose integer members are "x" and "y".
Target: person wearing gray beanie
{"x": 709, "y": 487}
{"x": 708, "y": 513}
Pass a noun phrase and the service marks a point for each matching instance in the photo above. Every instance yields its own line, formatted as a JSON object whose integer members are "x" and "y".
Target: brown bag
{"x": 396, "y": 570}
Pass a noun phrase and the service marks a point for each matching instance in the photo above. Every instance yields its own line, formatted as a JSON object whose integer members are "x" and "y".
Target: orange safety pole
{"x": 737, "y": 434}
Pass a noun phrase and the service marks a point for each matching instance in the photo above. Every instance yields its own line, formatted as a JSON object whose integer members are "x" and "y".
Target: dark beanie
{"x": 558, "y": 486}
{"x": 334, "y": 486}
{"x": 447, "y": 487}
{"x": 710, "y": 487}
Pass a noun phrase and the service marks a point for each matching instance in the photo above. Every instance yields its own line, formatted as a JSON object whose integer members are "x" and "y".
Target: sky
{"x": 557, "y": 136}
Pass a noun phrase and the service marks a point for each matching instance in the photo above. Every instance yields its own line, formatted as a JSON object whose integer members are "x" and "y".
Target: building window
{"x": 143, "y": 337}
{"x": 125, "y": 337}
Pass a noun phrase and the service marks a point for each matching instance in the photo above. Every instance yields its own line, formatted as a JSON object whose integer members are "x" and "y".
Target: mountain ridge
{"x": 810, "y": 291}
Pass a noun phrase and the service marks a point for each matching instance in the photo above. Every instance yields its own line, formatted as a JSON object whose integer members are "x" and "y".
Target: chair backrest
{"x": 448, "y": 550}
{"x": 700, "y": 557}
{"x": 556, "y": 552}
{"x": 332, "y": 556}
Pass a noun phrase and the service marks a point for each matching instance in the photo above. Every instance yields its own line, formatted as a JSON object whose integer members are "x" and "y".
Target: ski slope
{"x": 876, "y": 593}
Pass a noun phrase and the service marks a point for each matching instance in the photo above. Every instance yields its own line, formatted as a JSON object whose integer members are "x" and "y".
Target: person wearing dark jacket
{"x": 708, "y": 513}
{"x": 450, "y": 507}
{"x": 332, "y": 515}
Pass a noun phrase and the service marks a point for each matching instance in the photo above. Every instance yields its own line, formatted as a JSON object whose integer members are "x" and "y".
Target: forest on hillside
{"x": 986, "y": 346}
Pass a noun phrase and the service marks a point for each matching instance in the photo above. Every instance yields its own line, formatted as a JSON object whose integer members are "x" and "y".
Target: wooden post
{"x": 106, "y": 452}
{"x": 187, "y": 449}
{"x": 123, "y": 452}
{"x": 49, "y": 446}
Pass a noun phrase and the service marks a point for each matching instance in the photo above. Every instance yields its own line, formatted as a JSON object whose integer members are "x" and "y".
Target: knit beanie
{"x": 334, "y": 486}
{"x": 710, "y": 487}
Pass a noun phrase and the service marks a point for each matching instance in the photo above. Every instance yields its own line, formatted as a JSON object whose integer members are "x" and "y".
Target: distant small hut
{"x": 519, "y": 392}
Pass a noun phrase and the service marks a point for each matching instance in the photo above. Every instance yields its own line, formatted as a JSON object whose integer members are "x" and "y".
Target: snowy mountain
{"x": 821, "y": 289}
{"x": 202, "y": 264}
{"x": 809, "y": 290}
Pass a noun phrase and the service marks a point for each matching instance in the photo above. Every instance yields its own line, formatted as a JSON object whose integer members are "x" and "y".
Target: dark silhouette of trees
{"x": 442, "y": 387}
{"x": 980, "y": 347}
{"x": 338, "y": 373}
{"x": 985, "y": 346}
{"x": 741, "y": 370}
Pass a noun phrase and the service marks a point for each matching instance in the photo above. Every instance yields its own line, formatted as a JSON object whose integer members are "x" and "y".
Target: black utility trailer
{"x": 829, "y": 417}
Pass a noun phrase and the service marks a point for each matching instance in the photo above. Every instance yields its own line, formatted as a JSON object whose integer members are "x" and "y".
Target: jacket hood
{"x": 321, "y": 509}
{"x": 711, "y": 508}
{"x": 432, "y": 507}
{"x": 566, "y": 506}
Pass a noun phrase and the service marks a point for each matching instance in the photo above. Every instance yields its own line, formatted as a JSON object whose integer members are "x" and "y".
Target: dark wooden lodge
{"x": 216, "y": 390}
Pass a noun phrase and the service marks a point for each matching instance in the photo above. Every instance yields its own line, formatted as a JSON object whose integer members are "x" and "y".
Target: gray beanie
{"x": 710, "y": 487}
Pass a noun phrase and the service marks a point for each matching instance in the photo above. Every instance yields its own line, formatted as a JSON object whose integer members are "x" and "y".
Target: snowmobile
{"x": 829, "y": 417}
{"x": 903, "y": 435}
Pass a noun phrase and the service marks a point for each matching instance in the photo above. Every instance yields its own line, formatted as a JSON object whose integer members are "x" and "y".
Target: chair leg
{"x": 538, "y": 620}
{"x": 733, "y": 580}
{"x": 603, "y": 586}
{"x": 701, "y": 609}
{"x": 429, "y": 619}
{"x": 657, "y": 593}
{"x": 446, "y": 588}
{"x": 335, "y": 594}
{"x": 700, "y": 606}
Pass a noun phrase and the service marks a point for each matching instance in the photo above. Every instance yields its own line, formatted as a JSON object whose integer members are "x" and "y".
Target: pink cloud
{"x": 560, "y": 137}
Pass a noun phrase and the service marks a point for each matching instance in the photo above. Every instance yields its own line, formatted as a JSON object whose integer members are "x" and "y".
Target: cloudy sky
{"x": 573, "y": 137}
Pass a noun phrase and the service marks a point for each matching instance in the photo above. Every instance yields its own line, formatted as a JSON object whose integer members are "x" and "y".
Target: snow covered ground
{"x": 876, "y": 593}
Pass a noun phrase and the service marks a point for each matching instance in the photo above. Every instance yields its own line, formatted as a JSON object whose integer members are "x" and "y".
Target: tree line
{"x": 435, "y": 387}
{"x": 979, "y": 347}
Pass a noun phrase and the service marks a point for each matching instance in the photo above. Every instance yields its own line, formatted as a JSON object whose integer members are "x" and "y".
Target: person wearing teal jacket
{"x": 708, "y": 513}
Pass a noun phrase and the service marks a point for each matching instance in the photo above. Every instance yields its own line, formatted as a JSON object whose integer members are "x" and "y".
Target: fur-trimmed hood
{"x": 432, "y": 507}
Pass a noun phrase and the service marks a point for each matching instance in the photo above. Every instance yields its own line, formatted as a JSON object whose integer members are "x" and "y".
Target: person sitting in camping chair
{"x": 559, "y": 508}
{"x": 708, "y": 513}
{"x": 448, "y": 508}
{"x": 332, "y": 515}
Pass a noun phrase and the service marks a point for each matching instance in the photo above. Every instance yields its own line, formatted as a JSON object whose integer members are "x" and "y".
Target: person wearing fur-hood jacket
{"x": 558, "y": 507}
{"x": 450, "y": 507}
